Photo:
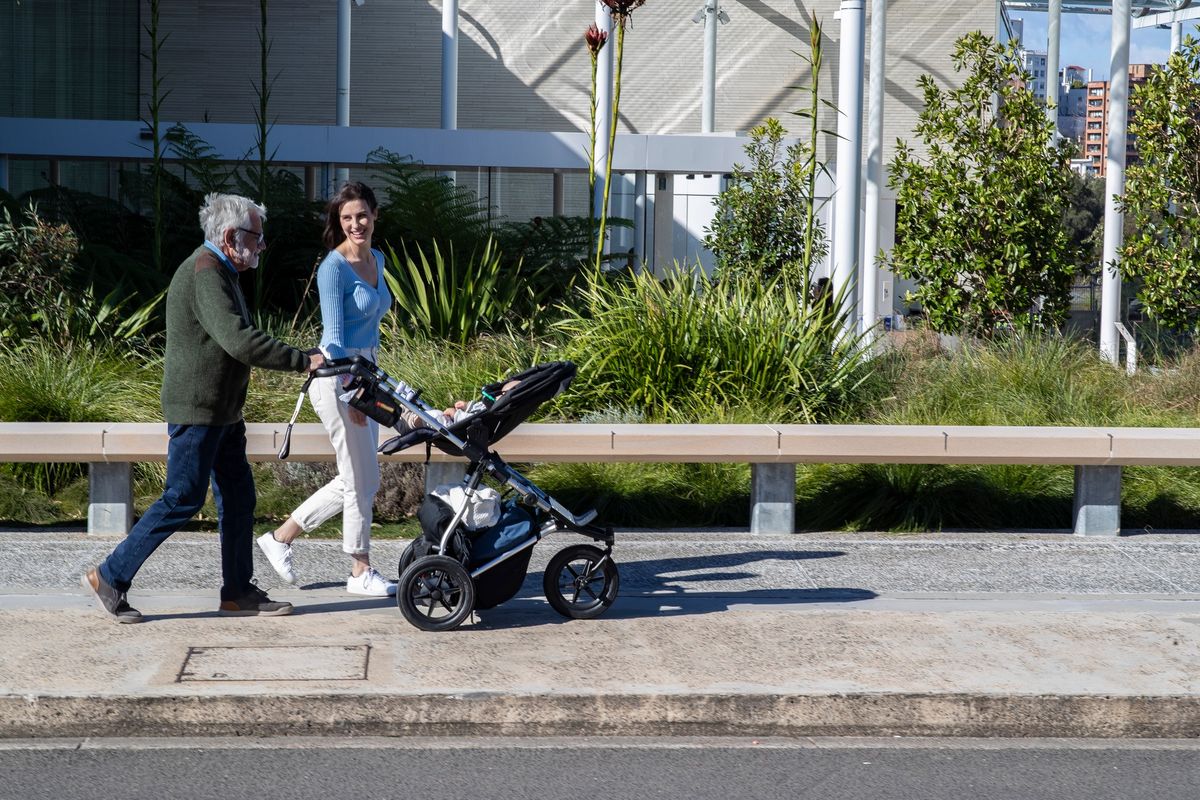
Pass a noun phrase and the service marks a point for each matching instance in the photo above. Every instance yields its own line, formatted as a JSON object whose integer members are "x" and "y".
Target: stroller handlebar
{"x": 343, "y": 366}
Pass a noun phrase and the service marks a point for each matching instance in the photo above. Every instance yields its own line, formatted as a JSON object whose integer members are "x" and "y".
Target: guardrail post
{"x": 1097, "y": 509}
{"x": 772, "y": 498}
{"x": 110, "y": 497}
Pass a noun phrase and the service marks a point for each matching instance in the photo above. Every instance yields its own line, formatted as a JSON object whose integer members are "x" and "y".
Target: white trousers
{"x": 352, "y": 491}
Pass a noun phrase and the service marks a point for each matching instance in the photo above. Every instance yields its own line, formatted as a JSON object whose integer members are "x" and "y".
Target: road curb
{"x": 487, "y": 714}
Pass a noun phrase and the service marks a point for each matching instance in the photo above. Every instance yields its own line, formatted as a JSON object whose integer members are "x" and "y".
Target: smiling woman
{"x": 354, "y": 300}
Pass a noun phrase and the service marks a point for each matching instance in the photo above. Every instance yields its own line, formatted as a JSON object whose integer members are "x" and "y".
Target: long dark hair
{"x": 354, "y": 190}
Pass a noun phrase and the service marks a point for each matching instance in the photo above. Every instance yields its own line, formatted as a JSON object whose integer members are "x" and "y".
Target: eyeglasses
{"x": 257, "y": 234}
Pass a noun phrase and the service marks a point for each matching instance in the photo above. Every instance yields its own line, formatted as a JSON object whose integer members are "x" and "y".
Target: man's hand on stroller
{"x": 316, "y": 359}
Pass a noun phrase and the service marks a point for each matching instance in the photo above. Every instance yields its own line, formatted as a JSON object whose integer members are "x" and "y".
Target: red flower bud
{"x": 595, "y": 38}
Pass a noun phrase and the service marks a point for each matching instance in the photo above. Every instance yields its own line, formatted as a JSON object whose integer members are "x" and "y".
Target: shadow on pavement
{"x": 679, "y": 587}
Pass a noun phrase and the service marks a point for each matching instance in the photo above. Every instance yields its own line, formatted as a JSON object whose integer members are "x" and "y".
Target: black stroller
{"x": 451, "y": 569}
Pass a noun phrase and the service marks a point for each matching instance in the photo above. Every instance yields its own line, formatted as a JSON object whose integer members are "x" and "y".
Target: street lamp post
{"x": 710, "y": 15}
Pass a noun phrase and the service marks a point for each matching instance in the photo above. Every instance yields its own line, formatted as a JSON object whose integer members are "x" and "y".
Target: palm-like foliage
{"x": 449, "y": 297}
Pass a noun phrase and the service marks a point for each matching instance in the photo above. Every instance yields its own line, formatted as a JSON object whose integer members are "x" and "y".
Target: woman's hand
{"x": 357, "y": 417}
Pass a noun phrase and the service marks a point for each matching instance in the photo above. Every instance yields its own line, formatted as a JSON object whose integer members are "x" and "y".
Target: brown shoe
{"x": 113, "y": 602}
{"x": 254, "y": 603}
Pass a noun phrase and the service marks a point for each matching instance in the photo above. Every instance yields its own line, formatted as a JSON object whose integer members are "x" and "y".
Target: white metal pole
{"x": 709, "y": 102}
{"x": 1114, "y": 175}
{"x": 870, "y": 283}
{"x": 604, "y": 85}
{"x": 1002, "y": 38}
{"x": 1053, "y": 84}
{"x": 1176, "y": 37}
{"x": 343, "y": 80}
{"x": 639, "y": 219}
{"x": 849, "y": 158}
{"x": 449, "y": 64}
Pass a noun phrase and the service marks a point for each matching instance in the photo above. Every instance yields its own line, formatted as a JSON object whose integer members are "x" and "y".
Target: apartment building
{"x": 1095, "y": 142}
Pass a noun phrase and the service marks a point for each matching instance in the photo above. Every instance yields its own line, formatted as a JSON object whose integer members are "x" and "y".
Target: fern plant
{"x": 419, "y": 207}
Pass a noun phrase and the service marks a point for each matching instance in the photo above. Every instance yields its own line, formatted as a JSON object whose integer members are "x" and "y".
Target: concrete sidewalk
{"x": 713, "y": 633}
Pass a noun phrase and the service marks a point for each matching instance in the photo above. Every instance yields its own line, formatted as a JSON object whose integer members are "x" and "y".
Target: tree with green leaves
{"x": 1084, "y": 221}
{"x": 766, "y": 222}
{"x": 762, "y": 222}
{"x": 980, "y": 218}
{"x": 1162, "y": 192}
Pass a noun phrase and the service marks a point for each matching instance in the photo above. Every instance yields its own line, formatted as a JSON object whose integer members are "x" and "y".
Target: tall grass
{"x": 43, "y": 382}
{"x": 652, "y": 495}
{"x": 445, "y": 371}
{"x": 682, "y": 350}
{"x": 1031, "y": 379}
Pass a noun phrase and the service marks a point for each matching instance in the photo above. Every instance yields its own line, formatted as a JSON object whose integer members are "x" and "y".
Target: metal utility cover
{"x": 278, "y": 663}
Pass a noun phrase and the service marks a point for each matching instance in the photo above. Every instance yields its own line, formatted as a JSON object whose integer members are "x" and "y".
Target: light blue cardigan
{"x": 351, "y": 309}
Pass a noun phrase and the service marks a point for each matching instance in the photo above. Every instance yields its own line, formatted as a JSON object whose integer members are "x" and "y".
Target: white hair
{"x": 222, "y": 212}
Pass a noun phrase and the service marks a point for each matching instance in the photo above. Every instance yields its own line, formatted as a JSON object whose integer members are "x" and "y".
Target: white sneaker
{"x": 279, "y": 554}
{"x": 371, "y": 583}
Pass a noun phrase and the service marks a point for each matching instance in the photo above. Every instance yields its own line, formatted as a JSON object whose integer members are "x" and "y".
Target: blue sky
{"x": 1086, "y": 40}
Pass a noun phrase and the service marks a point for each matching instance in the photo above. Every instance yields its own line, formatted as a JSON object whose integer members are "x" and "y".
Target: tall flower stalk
{"x": 595, "y": 39}
{"x": 622, "y": 11}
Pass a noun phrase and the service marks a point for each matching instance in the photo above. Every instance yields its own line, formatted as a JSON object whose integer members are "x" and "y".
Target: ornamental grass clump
{"x": 43, "y": 382}
{"x": 1022, "y": 379}
{"x": 684, "y": 349}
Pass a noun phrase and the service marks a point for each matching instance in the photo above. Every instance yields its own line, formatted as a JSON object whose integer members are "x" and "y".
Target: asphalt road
{"x": 641, "y": 769}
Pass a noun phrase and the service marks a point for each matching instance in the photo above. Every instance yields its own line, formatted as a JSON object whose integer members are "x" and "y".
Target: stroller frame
{"x": 381, "y": 397}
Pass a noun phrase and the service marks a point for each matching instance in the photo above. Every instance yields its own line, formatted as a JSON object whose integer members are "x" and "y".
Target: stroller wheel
{"x": 435, "y": 593}
{"x": 581, "y": 581}
{"x": 408, "y": 556}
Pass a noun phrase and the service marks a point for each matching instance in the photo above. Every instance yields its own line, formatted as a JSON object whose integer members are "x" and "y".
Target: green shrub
{"x": 765, "y": 223}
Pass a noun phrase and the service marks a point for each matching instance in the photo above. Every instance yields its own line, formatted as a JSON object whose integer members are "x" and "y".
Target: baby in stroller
{"x": 475, "y": 546}
{"x": 460, "y": 410}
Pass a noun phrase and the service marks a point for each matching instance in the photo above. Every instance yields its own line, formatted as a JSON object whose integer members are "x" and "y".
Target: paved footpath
{"x": 714, "y": 633}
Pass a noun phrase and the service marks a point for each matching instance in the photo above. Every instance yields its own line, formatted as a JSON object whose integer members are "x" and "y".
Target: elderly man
{"x": 211, "y": 345}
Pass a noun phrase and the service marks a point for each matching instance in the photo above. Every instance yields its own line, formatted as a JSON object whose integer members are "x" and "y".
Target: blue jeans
{"x": 197, "y": 454}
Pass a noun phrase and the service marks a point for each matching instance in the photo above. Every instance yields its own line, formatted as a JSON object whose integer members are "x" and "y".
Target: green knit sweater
{"x": 211, "y": 345}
